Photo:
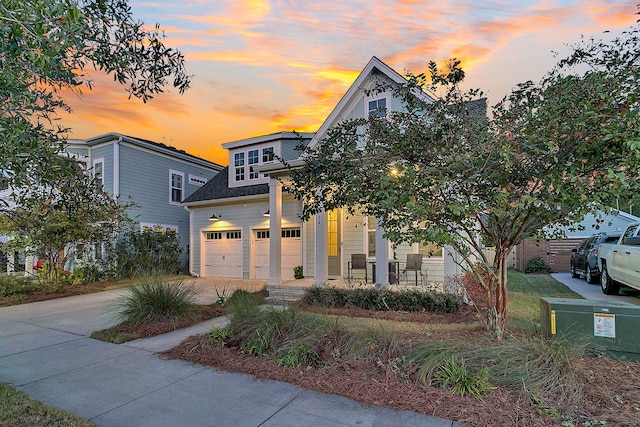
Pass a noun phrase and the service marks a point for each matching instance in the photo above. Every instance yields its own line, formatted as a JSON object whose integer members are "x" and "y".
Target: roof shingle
{"x": 218, "y": 188}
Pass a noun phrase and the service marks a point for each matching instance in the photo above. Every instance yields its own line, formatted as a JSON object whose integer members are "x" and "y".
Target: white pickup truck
{"x": 619, "y": 261}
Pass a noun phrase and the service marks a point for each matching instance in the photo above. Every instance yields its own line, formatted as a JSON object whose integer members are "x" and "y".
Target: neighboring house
{"x": 232, "y": 237}
{"x": 155, "y": 176}
{"x": 557, "y": 252}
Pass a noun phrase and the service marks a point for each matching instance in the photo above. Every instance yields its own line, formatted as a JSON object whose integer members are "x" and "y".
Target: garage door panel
{"x": 223, "y": 254}
{"x": 291, "y": 254}
{"x": 261, "y": 259}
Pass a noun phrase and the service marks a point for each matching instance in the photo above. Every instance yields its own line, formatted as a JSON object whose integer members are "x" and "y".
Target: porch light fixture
{"x": 266, "y": 213}
{"x": 215, "y": 217}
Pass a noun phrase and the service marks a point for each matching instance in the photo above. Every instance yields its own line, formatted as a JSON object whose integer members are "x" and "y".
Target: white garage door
{"x": 223, "y": 254}
{"x": 291, "y": 253}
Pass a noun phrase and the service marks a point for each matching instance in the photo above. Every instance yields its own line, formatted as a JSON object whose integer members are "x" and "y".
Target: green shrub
{"x": 542, "y": 370}
{"x": 298, "y": 353}
{"x": 371, "y": 299}
{"x": 153, "y": 300}
{"x": 537, "y": 265}
{"x": 298, "y": 272}
{"x": 220, "y": 336}
{"x": 239, "y": 296}
{"x": 453, "y": 375}
{"x": 138, "y": 253}
{"x": 13, "y": 286}
{"x": 89, "y": 273}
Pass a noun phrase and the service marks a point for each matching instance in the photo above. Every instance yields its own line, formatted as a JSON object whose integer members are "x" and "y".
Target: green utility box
{"x": 610, "y": 327}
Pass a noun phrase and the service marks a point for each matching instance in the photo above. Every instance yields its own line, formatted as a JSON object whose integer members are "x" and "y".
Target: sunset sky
{"x": 265, "y": 66}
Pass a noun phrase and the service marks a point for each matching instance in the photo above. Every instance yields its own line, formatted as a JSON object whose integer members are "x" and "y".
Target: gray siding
{"x": 289, "y": 151}
{"x": 358, "y": 109}
{"x": 105, "y": 152}
{"x": 144, "y": 176}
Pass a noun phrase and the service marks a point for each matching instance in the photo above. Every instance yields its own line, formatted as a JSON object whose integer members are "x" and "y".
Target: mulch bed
{"x": 202, "y": 313}
{"x": 376, "y": 383}
{"x": 66, "y": 291}
{"x": 371, "y": 383}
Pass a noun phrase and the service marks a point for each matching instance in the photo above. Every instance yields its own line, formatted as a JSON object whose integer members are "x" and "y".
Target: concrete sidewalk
{"x": 45, "y": 352}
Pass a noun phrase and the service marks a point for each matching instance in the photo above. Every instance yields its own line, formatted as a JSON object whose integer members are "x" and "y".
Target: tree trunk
{"x": 497, "y": 316}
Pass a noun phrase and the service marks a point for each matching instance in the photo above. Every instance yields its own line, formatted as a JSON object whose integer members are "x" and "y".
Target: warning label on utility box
{"x": 604, "y": 325}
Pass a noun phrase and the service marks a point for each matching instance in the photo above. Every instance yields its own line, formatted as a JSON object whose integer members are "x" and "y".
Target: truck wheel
{"x": 589, "y": 275}
{"x": 574, "y": 274}
{"x": 608, "y": 285}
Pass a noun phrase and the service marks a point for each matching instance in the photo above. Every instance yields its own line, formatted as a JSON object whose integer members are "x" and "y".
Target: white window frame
{"x": 246, "y": 170}
{"x": 95, "y": 162}
{"x": 264, "y": 154}
{"x": 384, "y": 95}
{"x": 171, "y": 187}
{"x": 251, "y": 173}
{"x": 160, "y": 228}
{"x": 239, "y": 166}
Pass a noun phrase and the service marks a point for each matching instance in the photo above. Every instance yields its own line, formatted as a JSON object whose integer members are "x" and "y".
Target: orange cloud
{"x": 263, "y": 66}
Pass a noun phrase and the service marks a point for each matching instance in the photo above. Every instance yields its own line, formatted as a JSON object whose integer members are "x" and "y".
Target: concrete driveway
{"x": 46, "y": 353}
{"x": 594, "y": 292}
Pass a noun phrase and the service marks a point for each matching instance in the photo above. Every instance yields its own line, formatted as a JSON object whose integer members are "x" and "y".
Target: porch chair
{"x": 414, "y": 263}
{"x": 358, "y": 262}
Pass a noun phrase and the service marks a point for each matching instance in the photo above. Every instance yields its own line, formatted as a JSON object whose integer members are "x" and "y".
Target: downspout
{"x": 193, "y": 274}
{"x": 116, "y": 168}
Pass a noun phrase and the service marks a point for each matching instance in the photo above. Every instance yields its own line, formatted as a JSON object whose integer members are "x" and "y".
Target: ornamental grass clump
{"x": 154, "y": 300}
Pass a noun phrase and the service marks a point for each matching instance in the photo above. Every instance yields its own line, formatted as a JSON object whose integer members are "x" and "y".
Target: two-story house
{"x": 155, "y": 176}
{"x": 244, "y": 225}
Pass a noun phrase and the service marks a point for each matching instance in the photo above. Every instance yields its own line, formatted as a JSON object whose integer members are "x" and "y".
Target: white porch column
{"x": 382, "y": 258}
{"x": 322, "y": 249}
{"x": 275, "y": 232}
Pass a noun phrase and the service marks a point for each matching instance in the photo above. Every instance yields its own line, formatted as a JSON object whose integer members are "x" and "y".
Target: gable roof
{"x": 342, "y": 108}
{"x": 152, "y": 145}
{"x": 217, "y": 188}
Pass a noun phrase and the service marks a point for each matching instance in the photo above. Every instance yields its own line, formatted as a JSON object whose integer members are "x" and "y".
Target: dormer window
{"x": 267, "y": 154}
{"x": 244, "y": 163}
{"x": 253, "y": 160}
{"x": 239, "y": 165}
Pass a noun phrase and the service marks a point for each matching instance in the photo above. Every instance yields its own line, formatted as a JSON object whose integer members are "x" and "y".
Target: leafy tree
{"x": 440, "y": 172}
{"x": 46, "y": 48}
{"x": 52, "y": 219}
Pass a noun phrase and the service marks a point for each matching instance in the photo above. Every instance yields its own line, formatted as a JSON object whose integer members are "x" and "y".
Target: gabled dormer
{"x": 247, "y": 155}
